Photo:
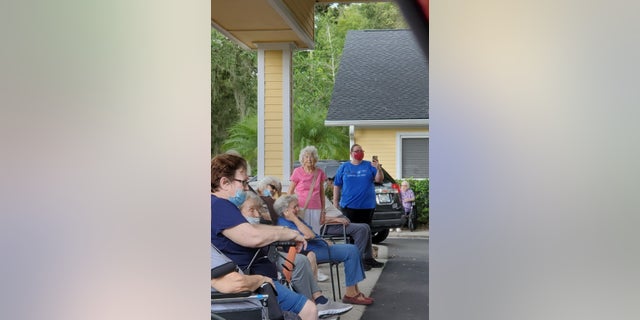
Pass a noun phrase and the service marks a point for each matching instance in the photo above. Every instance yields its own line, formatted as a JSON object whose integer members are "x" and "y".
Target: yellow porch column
{"x": 275, "y": 127}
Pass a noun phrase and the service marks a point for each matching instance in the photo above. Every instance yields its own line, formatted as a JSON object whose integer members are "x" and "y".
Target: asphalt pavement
{"x": 402, "y": 290}
{"x": 382, "y": 283}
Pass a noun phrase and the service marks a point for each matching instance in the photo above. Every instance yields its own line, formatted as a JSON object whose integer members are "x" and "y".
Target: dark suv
{"x": 388, "y": 213}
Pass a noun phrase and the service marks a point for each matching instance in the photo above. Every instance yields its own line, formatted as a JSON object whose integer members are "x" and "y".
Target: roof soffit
{"x": 258, "y": 21}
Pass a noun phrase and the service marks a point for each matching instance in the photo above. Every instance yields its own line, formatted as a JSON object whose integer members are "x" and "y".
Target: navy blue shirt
{"x": 225, "y": 215}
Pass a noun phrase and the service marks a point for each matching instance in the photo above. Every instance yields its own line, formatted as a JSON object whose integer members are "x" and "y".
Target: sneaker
{"x": 373, "y": 263}
{"x": 322, "y": 277}
{"x": 398, "y": 230}
{"x": 358, "y": 299}
{"x": 332, "y": 308}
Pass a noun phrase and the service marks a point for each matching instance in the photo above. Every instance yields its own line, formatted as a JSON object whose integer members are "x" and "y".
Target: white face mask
{"x": 253, "y": 220}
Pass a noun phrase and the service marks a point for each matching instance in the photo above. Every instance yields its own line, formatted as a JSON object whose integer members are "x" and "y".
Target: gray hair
{"x": 310, "y": 150}
{"x": 269, "y": 181}
{"x": 251, "y": 197}
{"x": 283, "y": 203}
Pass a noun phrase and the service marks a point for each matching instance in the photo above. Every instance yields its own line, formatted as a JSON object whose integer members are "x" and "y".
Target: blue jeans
{"x": 347, "y": 253}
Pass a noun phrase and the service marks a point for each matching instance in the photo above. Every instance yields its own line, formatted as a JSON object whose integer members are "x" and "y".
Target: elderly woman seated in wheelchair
{"x": 301, "y": 278}
{"x": 287, "y": 208}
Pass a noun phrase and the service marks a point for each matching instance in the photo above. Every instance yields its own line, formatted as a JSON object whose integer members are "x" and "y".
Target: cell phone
{"x": 375, "y": 158}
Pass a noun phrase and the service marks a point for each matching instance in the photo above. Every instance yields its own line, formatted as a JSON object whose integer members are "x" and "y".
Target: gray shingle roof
{"x": 383, "y": 75}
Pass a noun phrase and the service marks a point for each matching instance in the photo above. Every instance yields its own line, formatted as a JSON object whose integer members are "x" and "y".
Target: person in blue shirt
{"x": 288, "y": 210}
{"x": 239, "y": 240}
{"x": 353, "y": 186}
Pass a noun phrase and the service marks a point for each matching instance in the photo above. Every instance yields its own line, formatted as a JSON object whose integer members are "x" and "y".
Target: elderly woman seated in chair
{"x": 287, "y": 208}
{"x": 302, "y": 279}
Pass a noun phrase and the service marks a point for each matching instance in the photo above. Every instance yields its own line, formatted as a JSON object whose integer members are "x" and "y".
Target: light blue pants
{"x": 347, "y": 253}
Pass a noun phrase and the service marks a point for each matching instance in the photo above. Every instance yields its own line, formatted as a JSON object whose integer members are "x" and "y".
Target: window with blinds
{"x": 415, "y": 157}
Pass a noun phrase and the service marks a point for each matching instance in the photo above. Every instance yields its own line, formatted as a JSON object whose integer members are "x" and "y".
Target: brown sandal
{"x": 360, "y": 299}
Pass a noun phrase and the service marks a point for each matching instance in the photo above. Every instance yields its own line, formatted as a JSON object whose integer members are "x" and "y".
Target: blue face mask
{"x": 239, "y": 198}
{"x": 253, "y": 220}
{"x": 266, "y": 193}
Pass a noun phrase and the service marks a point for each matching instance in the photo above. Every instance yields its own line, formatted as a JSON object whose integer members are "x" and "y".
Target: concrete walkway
{"x": 366, "y": 286}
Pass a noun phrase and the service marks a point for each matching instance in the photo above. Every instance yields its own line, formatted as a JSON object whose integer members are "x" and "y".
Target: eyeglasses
{"x": 245, "y": 183}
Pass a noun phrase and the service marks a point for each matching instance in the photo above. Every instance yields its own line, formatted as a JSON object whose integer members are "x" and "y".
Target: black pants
{"x": 359, "y": 215}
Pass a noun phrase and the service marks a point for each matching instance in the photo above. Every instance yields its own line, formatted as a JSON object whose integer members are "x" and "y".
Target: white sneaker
{"x": 322, "y": 277}
{"x": 332, "y": 308}
{"x": 398, "y": 229}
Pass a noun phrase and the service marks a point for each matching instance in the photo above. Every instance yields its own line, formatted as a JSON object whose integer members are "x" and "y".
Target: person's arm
{"x": 292, "y": 187}
{"x": 302, "y": 228}
{"x": 334, "y": 220}
{"x": 379, "y": 177}
{"x": 260, "y": 235}
{"x": 336, "y": 196}
{"x": 323, "y": 212}
{"x": 235, "y": 282}
{"x": 294, "y": 181}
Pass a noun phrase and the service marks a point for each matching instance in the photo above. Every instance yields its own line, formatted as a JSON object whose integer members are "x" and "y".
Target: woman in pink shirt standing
{"x": 307, "y": 182}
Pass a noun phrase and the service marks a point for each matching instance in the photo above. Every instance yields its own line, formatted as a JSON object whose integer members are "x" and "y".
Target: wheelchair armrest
{"x": 220, "y": 295}
{"x": 323, "y": 229}
{"x": 223, "y": 269}
{"x": 284, "y": 243}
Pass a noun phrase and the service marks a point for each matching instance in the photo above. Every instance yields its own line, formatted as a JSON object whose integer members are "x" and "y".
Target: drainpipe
{"x": 352, "y": 135}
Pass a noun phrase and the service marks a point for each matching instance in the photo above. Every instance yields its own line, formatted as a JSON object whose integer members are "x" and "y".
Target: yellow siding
{"x": 273, "y": 90}
{"x": 273, "y": 69}
{"x": 303, "y": 11}
{"x": 382, "y": 142}
{"x": 273, "y": 113}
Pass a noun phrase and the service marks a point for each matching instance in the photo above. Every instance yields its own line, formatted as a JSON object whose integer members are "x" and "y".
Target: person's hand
{"x": 268, "y": 280}
{"x": 301, "y": 245}
{"x": 289, "y": 215}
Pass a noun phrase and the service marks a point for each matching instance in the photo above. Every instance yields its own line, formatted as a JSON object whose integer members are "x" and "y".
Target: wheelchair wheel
{"x": 413, "y": 219}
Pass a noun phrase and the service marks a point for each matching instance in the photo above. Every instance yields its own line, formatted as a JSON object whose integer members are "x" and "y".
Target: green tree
{"x": 309, "y": 129}
{"x": 243, "y": 138}
{"x": 314, "y": 75}
{"x": 233, "y": 87}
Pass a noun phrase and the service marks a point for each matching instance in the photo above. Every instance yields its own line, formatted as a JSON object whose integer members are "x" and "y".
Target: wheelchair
{"x": 412, "y": 218}
{"x": 251, "y": 305}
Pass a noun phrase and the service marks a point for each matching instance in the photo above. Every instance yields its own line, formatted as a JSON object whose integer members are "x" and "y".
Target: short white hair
{"x": 273, "y": 181}
{"x": 251, "y": 197}
{"x": 283, "y": 203}
{"x": 310, "y": 150}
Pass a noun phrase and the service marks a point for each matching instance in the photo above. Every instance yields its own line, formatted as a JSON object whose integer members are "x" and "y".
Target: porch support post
{"x": 275, "y": 110}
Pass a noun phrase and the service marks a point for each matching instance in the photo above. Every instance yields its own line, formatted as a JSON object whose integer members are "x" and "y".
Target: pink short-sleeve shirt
{"x": 303, "y": 184}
